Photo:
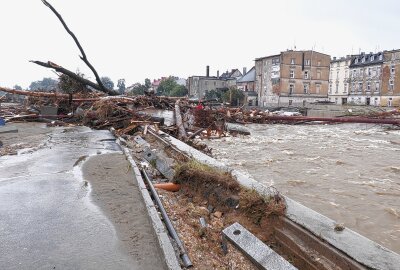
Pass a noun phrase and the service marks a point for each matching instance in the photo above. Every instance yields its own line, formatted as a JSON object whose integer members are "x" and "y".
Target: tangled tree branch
{"x": 101, "y": 86}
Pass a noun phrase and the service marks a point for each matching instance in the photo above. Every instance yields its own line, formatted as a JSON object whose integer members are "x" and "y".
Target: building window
{"x": 292, "y": 61}
{"x": 354, "y": 73}
{"x": 377, "y": 87}
{"x": 306, "y": 75}
{"x": 372, "y": 58}
{"x": 330, "y": 88}
{"x": 353, "y": 87}
{"x": 368, "y": 86}
{"x": 291, "y": 89}
{"x": 381, "y": 57}
{"x": 363, "y": 60}
{"x": 318, "y": 88}
{"x": 336, "y": 100}
{"x": 392, "y": 69}
{"x": 376, "y": 101}
{"x": 390, "y": 102}
{"x": 319, "y": 63}
{"x": 369, "y": 72}
{"x": 360, "y": 87}
{"x": 215, "y": 83}
{"x": 356, "y": 61}
{"x": 275, "y": 61}
{"x": 318, "y": 74}
{"x": 308, "y": 62}
{"x": 306, "y": 86}
{"x": 345, "y": 73}
{"x": 345, "y": 88}
{"x": 291, "y": 75}
{"x": 391, "y": 85}
{"x": 337, "y": 88}
{"x": 290, "y": 102}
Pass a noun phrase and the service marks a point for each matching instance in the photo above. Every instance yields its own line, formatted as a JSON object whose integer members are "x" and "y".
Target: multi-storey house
{"x": 292, "y": 78}
{"x": 366, "y": 79}
{"x": 339, "y": 80}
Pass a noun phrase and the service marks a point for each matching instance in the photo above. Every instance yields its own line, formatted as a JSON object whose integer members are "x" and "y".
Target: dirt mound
{"x": 223, "y": 193}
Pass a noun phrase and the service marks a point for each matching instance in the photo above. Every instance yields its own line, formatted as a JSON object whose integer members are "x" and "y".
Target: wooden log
{"x": 179, "y": 122}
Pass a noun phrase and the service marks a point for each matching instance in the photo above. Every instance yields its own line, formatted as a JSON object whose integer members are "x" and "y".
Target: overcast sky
{"x": 153, "y": 38}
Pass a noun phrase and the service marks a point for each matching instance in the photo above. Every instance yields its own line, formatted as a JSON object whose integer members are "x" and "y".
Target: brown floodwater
{"x": 349, "y": 173}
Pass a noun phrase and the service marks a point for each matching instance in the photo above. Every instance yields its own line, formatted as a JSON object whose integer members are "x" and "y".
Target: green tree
{"x": 107, "y": 82}
{"x": 178, "y": 91}
{"x": 147, "y": 83}
{"x": 69, "y": 85}
{"x": 121, "y": 86}
{"x": 234, "y": 96}
{"x": 214, "y": 94}
{"x": 17, "y": 87}
{"x": 169, "y": 87}
{"x": 47, "y": 84}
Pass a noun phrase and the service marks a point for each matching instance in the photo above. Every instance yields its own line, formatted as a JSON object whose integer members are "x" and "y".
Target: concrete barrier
{"x": 160, "y": 231}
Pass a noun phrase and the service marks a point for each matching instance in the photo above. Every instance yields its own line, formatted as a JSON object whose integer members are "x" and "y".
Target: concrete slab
{"x": 258, "y": 252}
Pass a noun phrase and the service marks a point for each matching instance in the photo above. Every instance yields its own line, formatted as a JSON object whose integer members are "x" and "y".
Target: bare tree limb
{"x": 83, "y": 57}
{"x": 74, "y": 76}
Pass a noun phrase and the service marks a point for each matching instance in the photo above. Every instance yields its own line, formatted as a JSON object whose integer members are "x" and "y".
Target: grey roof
{"x": 249, "y": 76}
{"x": 369, "y": 59}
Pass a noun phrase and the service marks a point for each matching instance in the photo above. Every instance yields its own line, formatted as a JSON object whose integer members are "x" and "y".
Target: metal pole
{"x": 185, "y": 258}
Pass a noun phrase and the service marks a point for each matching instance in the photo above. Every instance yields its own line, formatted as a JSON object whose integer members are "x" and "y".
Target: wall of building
{"x": 338, "y": 88}
{"x": 198, "y": 85}
{"x": 268, "y": 80}
{"x": 391, "y": 79}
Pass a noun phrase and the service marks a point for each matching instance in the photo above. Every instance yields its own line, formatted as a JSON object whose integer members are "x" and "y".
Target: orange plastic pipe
{"x": 168, "y": 186}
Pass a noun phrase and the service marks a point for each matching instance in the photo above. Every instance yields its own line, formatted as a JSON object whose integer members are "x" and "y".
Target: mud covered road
{"x": 73, "y": 204}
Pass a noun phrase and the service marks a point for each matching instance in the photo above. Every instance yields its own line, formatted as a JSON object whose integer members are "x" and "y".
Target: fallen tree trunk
{"x": 179, "y": 123}
{"x": 391, "y": 121}
{"x": 33, "y": 94}
{"x": 74, "y": 76}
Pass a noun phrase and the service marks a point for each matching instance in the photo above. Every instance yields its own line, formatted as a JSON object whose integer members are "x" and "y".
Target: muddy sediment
{"x": 115, "y": 191}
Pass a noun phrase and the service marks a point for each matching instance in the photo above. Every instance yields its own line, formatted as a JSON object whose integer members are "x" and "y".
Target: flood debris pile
{"x": 92, "y": 109}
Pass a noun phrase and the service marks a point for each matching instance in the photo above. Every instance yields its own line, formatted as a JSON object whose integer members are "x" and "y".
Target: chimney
{"x": 218, "y": 74}
{"x": 244, "y": 71}
{"x": 208, "y": 71}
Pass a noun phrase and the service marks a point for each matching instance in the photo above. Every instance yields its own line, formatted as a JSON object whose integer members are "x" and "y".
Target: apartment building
{"x": 338, "y": 91}
{"x": 390, "y": 91}
{"x": 292, "y": 78}
{"x": 366, "y": 79}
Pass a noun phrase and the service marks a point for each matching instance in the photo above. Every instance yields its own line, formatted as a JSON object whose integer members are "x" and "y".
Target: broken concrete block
{"x": 258, "y": 252}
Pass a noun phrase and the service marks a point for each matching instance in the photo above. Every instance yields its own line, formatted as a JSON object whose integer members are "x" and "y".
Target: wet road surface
{"x": 48, "y": 219}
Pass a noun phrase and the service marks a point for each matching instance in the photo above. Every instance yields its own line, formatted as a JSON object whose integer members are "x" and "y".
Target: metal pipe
{"x": 185, "y": 258}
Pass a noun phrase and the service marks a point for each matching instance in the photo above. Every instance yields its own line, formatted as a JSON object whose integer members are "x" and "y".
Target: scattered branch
{"x": 101, "y": 86}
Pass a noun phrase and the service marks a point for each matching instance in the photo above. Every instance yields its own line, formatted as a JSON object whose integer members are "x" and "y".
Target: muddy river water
{"x": 348, "y": 172}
